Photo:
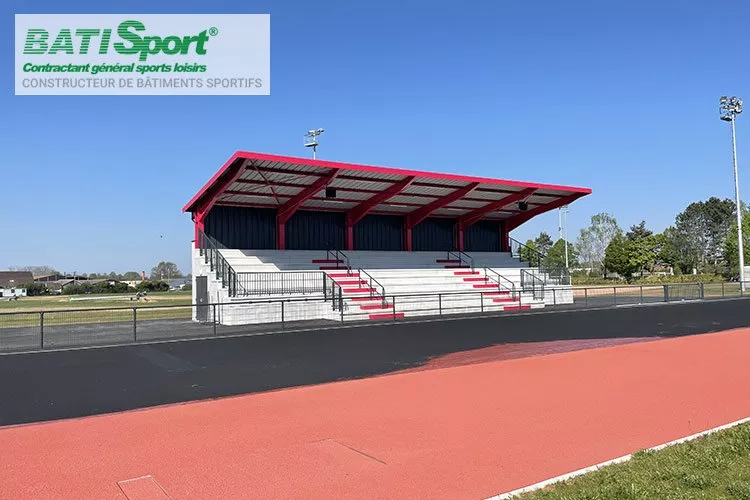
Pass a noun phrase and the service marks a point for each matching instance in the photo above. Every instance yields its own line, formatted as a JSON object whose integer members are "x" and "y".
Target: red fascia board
{"x": 417, "y": 216}
{"x": 378, "y": 170}
{"x": 361, "y": 210}
{"x": 476, "y": 214}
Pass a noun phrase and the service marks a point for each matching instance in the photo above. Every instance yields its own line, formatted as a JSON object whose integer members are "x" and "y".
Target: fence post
{"x": 340, "y": 300}
{"x": 135, "y": 328}
{"x": 481, "y": 302}
{"x": 394, "y": 307}
{"x": 282, "y": 315}
{"x": 722, "y": 289}
{"x": 440, "y": 304}
{"x": 702, "y": 292}
{"x": 554, "y": 296}
{"x": 614, "y": 292}
{"x": 213, "y": 306}
{"x": 586, "y": 297}
{"x": 641, "y": 294}
{"x": 666, "y": 293}
{"x": 41, "y": 330}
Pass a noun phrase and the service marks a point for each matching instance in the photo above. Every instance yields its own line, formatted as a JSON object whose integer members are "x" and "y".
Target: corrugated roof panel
{"x": 467, "y": 204}
{"x": 328, "y": 204}
{"x": 417, "y": 200}
{"x": 432, "y": 191}
{"x": 368, "y": 185}
{"x": 263, "y": 200}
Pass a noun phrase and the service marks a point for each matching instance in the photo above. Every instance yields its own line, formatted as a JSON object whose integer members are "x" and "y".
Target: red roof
{"x": 288, "y": 183}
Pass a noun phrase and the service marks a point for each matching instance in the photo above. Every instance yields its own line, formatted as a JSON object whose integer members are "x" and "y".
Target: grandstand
{"x": 366, "y": 243}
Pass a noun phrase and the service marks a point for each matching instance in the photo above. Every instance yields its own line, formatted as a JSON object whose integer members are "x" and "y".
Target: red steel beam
{"x": 513, "y": 222}
{"x": 470, "y": 218}
{"x": 355, "y": 214}
{"x": 420, "y": 214}
{"x": 291, "y": 206}
{"x": 211, "y": 195}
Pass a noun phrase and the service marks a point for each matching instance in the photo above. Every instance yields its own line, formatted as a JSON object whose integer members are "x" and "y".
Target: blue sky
{"x": 621, "y": 98}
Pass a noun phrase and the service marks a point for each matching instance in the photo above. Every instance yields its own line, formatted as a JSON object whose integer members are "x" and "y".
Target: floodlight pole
{"x": 562, "y": 230}
{"x": 740, "y": 245}
{"x": 729, "y": 108}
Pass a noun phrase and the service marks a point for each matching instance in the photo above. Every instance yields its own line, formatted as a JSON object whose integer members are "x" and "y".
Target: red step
{"x": 501, "y": 292}
{"x": 358, "y": 290}
{"x": 387, "y": 316}
{"x": 376, "y": 306}
{"x": 486, "y": 285}
{"x": 330, "y": 268}
{"x": 505, "y": 299}
{"x": 515, "y": 308}
{"x": 476, "y": 279}
{"x": 343, "y": 275}
{"x": 327, "y": 261}
{"x": 364, "y": 299}
{"x": 465, "y": 273}
{"x": 345, "y": 282}
{"x": 448, "y": 261}
{"x": 457, "y": 266}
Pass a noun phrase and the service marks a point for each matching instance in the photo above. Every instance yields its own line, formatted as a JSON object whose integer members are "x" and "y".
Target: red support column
{"x": 280, "y": 235}
{"x": 459, "y": 236}
{"x": 349, "y": 236}
{"x": 407, "y": 239}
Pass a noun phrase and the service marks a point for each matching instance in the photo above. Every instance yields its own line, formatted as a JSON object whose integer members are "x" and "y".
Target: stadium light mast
{"x": 311, "y": 140}
{"x": 729, "y": 108}
{"x": 562, "y": 229}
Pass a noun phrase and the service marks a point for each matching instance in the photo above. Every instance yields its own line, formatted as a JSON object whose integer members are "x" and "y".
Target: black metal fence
{"x": 23, "y": 331}
{"x": 279, "y": 283}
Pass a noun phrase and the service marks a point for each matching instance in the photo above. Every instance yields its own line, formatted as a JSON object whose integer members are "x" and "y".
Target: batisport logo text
{"x": 130, "y": 39}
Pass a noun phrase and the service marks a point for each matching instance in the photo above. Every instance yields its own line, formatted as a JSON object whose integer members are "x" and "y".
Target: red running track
{"x": 469, "y": 431}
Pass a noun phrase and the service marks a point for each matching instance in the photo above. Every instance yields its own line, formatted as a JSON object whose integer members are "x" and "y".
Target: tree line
{"x": 702, "y": 240}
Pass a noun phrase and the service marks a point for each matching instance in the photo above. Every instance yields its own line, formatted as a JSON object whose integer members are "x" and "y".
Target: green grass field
{"x": 714, "y": 467}
{"x": 60, "y": 310}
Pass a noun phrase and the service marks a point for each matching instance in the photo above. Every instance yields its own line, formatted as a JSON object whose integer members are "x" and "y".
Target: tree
{"x": 593, "y": 241}
{"x": 34, "y": 289}
{"x": 699, "y": 235}
{"x": 555, "y": 258}
{"x": 629, "y": 255}
{"x": 35, "y": 270}
{"x": 543, "y": 243}
{"x": 152, "y": 286}
{"x": 731, "y": 253}
{"x": 131, "y": 276}
{"x": 165, "y": 270}
{"x": 529, "y": 253}
{"x": 638, "y": 232}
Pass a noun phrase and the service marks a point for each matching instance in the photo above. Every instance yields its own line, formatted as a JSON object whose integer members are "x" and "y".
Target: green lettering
{"x": 36, "y": 42}
{"x": 86, "y": 35}
{"x": 124, "y": 30}
{"x": 63, "y": 42}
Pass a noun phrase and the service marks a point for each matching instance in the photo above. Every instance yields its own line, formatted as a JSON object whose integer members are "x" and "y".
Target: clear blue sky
{"x": 620, "y": 98}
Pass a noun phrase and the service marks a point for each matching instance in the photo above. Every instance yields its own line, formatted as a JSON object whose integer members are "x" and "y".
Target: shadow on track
{"x": 54, "y": 385}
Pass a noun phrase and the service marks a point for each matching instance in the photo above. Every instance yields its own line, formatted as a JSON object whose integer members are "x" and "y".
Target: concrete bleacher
{"x": 411, "y": 280}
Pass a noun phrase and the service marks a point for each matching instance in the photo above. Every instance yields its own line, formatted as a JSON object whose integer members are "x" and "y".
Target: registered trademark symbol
{"x": 213, "y": 31}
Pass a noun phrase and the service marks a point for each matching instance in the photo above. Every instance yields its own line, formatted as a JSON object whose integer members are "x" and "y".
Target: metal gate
{"x": 201, "y": 298}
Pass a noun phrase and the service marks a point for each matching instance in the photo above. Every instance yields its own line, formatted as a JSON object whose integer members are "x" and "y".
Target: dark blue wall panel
{"x": 379, "y": 232}
{"x": 315, "y": 231}
{"x": 242, "y": 227}
{"x": 433, "y": 234}
{"x": 483, "y": 236}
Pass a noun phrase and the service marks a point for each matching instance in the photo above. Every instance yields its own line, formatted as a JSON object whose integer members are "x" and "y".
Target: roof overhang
{"x": 288, "y": 184}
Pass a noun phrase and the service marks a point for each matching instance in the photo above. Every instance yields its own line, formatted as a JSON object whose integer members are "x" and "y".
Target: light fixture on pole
{"x": 311, "y": 140}
{"x": 562, "y": 229}
{"x": 729, "y": 108}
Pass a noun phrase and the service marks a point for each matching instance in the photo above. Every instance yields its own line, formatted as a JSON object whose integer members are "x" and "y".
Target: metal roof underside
{"x": 266, "y": 181}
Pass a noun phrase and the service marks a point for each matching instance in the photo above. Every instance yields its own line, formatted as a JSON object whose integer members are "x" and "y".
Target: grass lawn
{"x": 60, "y": 310}
{"x": 716, "y": 466}
{"x": 50, "y": 302}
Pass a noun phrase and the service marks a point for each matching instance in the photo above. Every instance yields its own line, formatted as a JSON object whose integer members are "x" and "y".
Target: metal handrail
{"x": 333, "y": 253}
{"x": 554, "y": 275}
{"x": 372, "y": 281}
{"x": 537, "y": 284}
{"x": 461, "y": 255}
{"x": 499, "y": 278}
{"x": 209, "y": 248}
